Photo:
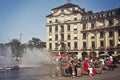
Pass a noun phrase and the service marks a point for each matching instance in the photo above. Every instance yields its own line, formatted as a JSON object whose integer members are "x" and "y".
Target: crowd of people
{"x": 75, "y": 66}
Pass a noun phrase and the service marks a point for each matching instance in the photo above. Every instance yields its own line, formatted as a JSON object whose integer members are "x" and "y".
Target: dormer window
{"x": 113, "y": 13}
{"x": 52, "y": 11}
{"x": 76, "y": 8}
{"x": 68, "y": 18}
{"x": 104, "y": 15}
{"x": 56, "y": 20}
{"x": 75, "y": 18}
{"x": 111, "y": 22}
{"x": 62, "y": 11}
{"x": 110, "y": 13}
{"x": 100, "y": 15}
{"x": 50, "y": 21}
{"x": 73, "y": 9}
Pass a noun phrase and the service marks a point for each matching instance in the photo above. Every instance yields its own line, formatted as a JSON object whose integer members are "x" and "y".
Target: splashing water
{"x": 35, "y": 57}
{"x": 6, "y": 56}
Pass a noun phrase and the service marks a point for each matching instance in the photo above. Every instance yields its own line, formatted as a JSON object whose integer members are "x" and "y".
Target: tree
{"x": 16, "y": 47}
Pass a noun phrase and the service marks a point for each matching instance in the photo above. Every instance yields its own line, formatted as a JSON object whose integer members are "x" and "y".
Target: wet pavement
{"x": 44, "y": 73}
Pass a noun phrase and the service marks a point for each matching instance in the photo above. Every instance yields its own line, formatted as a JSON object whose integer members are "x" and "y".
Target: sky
{"x": 28, "y": 17}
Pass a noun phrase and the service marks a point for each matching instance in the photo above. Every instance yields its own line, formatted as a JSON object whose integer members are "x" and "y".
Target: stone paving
{"x": 43, "y": 73}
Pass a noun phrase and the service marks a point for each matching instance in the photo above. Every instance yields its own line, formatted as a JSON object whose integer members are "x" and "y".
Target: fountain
{"x": 5, "y": 56}
{"x": 33, "y": 61}
{"x": 35, "y": 57}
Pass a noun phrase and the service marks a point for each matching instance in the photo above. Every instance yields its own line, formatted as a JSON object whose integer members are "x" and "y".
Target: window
{"x": 56, "y": 28}
{"x": 84, "y": 35}
{"x": 62, "y": 11}
{"x": 118, "y": 32}
{"x": 62, "y": 37}
{"x": 56, "y": 36}
{"x": 111, "y": 42}
{"x": 84, "y": 26}
{"x": 75, "y": 36}
{"x": 92, "y": 36}
{"x": 50, "y": 45}
{"x": 102, "y": 43}
{"x": 101, "y": 34}
{"x": 63, "y": 45}
{"x": 92, "y": 25}
{"x": 75, "y": 27}
{"x": 56, "y": 20}
{"x": 68, "y": 37}
{"x": 110, "y": 33}
{"x": 93, "y": 44}
{"x": 111, "y": 22}
{"x": 62, "y": 28}
{"x": 75, "y": 44}
{"x": 50, "y": 38}
{"x": 84, "y": 44}
{"x": 75, "y": 18}
{"x": 68, "y": 28}
{"x": 69, "y": 45}
{"x": 50, "y": 29}
{"x": 56, "y": 45}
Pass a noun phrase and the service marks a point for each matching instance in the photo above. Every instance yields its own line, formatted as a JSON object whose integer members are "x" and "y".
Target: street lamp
{"x": 20, "y": 36}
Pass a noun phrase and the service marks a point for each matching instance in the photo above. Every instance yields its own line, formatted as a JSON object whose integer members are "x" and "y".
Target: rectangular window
{"x": 75, "y": 18}
{"x": 84, "y": 35}
{"x": 84, "y": 26}
{"x": 63, "y": 45}
{"x": 75, "y": 38}
{"x": 62, "y": 11}
{"x": 56, "y": 46}
{"x": 56, "y": 36}
{"x": 62, "y": 37}
{"x": 68, "y": 37}
{"x": 111, "y": 22}
{"x": 84, "y": 44}
{"x": 50, "y": 29}
{"x": 75, "y": 27}
{"x": 111, "y": 33}
{"x": 56, "y": 20}
{"x": 50, "y": 45}
{"x": 69, "y": 45}
{"x": 102, "y": 43}
{"x": 118, "y": 32}
{"x": 62, "y": 28}
{"x": 92, "y": 25}
{"x": 111, "y": 43}
{"x": 56, "y": 28}
{"x": 93, "y": 44}
{"x": 50, "y": 21}
{"x": 68, "y": 27}
{"x": 101, "y": 34}
{"x": 75, "y": 45}
{"x": 92, "y": 36}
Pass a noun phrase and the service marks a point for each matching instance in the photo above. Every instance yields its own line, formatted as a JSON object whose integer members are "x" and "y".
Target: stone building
{"x": 71, "y": 29}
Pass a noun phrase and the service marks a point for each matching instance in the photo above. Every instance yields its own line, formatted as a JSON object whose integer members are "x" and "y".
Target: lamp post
{"x": 20, "y": 37}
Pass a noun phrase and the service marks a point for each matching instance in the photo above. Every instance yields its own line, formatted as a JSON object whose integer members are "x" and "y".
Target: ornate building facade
{"x": 73, "y": 30}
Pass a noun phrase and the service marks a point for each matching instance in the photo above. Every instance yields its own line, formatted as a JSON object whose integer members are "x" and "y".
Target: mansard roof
{"x": 66, "y": 6}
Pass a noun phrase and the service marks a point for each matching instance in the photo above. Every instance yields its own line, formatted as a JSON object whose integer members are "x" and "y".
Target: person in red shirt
{"x": 86, "y": 65}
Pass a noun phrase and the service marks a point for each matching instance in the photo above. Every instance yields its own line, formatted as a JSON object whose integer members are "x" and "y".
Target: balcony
{"x": 101, "y": 48}
{"x": 75, "y": 48}
{"x": 83, "y": 49}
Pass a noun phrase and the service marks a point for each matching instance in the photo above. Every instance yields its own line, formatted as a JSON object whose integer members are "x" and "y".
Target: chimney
{"x": 68, "y": 1}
